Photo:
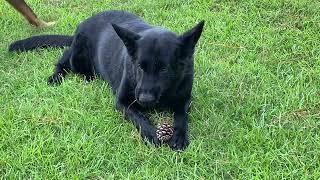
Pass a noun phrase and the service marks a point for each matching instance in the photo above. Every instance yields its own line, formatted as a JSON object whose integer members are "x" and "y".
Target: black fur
{"x": 148, "y": 67}
{"x": 41, "y": 42}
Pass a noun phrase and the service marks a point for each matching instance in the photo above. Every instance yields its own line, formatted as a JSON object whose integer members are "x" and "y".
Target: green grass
{"x": 255, "y": 112}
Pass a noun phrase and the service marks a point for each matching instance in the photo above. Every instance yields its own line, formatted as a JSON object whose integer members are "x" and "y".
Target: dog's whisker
{"x": 131, "y": 104}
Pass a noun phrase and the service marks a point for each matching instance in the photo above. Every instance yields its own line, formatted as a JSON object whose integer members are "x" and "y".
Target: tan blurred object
{"x": 22, "y": 7}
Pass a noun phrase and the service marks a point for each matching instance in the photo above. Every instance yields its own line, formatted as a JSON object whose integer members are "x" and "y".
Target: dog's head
{"x": 160, "y": 58}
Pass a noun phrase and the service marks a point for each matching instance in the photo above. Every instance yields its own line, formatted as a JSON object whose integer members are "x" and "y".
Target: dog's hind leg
{"x": 62, "y": 68}
{"x": 81, "y": 61}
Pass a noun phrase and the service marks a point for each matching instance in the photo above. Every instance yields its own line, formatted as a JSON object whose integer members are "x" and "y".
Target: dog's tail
{"x": 43, "y": 41}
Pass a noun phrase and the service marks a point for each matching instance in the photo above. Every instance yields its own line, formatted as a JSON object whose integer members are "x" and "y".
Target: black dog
{"x": 148, "y": 67}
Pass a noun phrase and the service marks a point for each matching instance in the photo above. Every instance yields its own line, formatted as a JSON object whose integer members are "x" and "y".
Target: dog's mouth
{"x": 147, "y": 105}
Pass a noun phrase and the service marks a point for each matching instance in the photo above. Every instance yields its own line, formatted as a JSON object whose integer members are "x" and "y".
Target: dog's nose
{"x": 146, "y": 99}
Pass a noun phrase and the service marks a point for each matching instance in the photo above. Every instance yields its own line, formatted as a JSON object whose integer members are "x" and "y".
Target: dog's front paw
{"x": 149, "y": 134}
{"x": 55, "y": 79}
{"x": 179, "y": 140}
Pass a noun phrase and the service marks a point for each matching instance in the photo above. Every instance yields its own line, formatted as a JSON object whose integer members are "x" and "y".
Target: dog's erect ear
{"x": 128, "y": 37}
{"x": 190, "y": 38}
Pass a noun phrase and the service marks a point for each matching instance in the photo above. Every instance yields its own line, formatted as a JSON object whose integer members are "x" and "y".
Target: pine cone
{"x": 164, "y": 132}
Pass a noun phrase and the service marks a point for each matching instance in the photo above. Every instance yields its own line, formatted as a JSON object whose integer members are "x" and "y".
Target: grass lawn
{"x": 255, "y": 112}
